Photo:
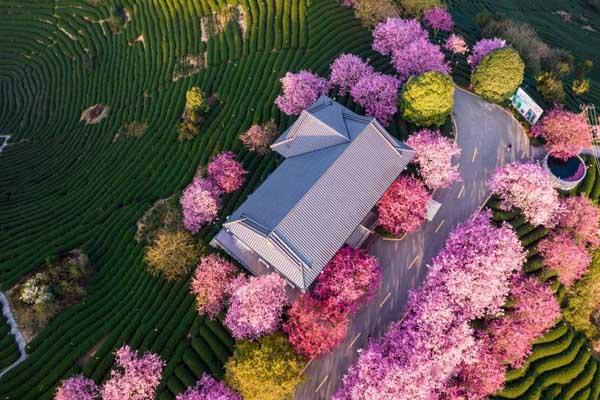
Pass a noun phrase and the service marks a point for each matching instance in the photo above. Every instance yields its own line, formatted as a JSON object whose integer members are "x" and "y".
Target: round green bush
{"x": 498, "y": 75}
{"x": 428, "y": 99}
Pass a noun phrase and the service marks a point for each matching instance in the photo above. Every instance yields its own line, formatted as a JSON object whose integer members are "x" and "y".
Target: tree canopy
{"x": 498, "y": 75}
{"x": 428, "y": 99}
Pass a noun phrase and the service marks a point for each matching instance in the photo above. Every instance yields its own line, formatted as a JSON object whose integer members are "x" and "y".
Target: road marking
{"x": 306, "y": 366}
{"x": 413, "y": 262}
{"x": 474, "y": 155}
{"x": 462, "y": 189}
{"x": 385, "y": 299}
{"x": 523, "y": 155}
{"x": 484, "y": 203}
{"x": 353, "y": 341}
{"x": 440, "y": 225}
{"x": 321, "y": 384}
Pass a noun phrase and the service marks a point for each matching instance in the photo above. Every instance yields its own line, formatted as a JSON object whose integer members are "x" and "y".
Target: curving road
{"x": 484, "y": 133}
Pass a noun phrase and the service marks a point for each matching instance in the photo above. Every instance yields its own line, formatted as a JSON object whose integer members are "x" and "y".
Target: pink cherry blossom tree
{"x": 77, "y": 388}
{"x": 438, "y": 19}
{"x": 200, "y": 202}
{"x": 300, "y": 90}
{"x": 528, "y": 187}
{"x": 581, "y": 217}
{"x": 396, "y": 33}
{"x": 135, "y": 377}
{"x": 566, "y": 133}
{"x": 226, "y": 172}
{"x": 563, "y": 255}
{"x": 482, "y": 48}
{"x": 456, "y": 44}
{"x": 346, "y": 71}
{"x": 256, "y": 307}
{"x": 209, "y": 286}
{"x": 258, "y": 138}
{"x": 208, "y": 388}
{"x": 377, "y": 94}
{"x": 434, "y": 158}
{"x": 403, "y": 206}
{"x": 417, "y": 57}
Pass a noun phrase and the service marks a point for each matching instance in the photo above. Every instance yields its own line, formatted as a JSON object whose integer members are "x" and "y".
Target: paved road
{"x": 484, "y": 133}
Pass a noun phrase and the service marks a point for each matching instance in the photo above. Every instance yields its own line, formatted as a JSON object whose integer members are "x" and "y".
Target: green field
{"x": 9, "y": 352}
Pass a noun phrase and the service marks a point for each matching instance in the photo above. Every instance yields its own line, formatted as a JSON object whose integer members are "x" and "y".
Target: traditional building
{"x": 337, "y": 166}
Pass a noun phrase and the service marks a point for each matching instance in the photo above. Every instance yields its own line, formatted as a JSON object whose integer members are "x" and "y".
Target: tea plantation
{"x": 9, "y": 352}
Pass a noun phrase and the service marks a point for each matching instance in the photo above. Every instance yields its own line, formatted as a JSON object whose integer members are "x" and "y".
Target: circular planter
{"x": 567, "y": 173}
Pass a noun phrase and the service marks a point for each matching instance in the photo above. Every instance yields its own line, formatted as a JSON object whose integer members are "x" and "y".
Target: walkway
{"x": 14, "y": 330}
{"x": 484, "y": 133}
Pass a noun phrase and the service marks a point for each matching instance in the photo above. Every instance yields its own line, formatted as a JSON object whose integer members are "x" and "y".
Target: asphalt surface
{"x": 489, "y": 137}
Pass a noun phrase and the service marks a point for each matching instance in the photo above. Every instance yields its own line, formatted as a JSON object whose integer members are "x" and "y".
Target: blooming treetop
{"x": 300, "y": 90}
{"x": 77, "y": 388}
{"x": 256, "y": 307}
{"x": 417, "y": 57}
{"x": 200, "y": 201}
{"x": 527, "y": 186}
{"x": 347, "y": 70}
{"x": 566, "y": 133}
{"x": 209, "y": 285}
{"x": 581, "y": 218}
{"x": 562, "y": 254}
{"x": 456, "y": 44}
{"x": 482, "y": 48}
{"x": 226, "y": 172}
{"x": 258, "y": 138}
{"x": 396, "y": 33}
{"x": 434, "y": 158}
{"x": 403, "y": 206}
{"x": 377, "y": 94}
{"x": 438, "y": 19}
{"x": 136, "y": 376}
{"x": 208, "y": 388}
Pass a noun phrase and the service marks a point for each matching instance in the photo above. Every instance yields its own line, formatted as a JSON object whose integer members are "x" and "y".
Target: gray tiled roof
{"x": 338, "y": 164}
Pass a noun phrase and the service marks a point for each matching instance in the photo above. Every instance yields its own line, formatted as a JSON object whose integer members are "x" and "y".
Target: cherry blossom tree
{"x": 209, "y": 285}
{"x": 417, "y": 57}
{"x": 528, "y": 187}
{"x": 135, "y": 377}
{"x": 349, "y": 280}
{"x": 396, "y": 33}
{"x": 315, "y": 326}
{"x": 346, "y": 71}
{"x": 256, "y": 307}
{"x": 434, "y": 158}
{"x": 403, "y": 206}
{"x": 208, "y": 388}
{"x": 77, "y": 388}
{"x": 377, "y": 94}
{"x": 482, "y": 48}
{"x": 563, "y": 255}
{"x": 566, "y": 133}
{"x": 438, "y": 19}
{"x": 456, "y": 44}
{"x": 226, "y": 172}
{"x": 581, "y": 217}
{"x": 300, "y": 90}
{"x": 200, "y": 202}
{"x": 258, "y": 138}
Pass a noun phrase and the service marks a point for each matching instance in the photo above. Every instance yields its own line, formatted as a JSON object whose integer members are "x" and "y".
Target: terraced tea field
{"x": 9, "y": 352}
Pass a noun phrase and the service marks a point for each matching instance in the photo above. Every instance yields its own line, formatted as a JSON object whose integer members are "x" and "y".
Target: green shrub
{"x": 580, "y": 86}
{"x": 415, "y": 8}
{"x": 551, "y": 87}
{"x": 498, "y": 75}
{"x": 428, "y": 99}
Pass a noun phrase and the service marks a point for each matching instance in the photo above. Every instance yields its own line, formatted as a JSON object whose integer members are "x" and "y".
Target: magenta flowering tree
{"x": 200, "y": 203}
{"x": 77, "y": 388}
{"x": 258, "y": 138}
{"x": 349, "y": 280}
{"x": 208, "y": 388}
{"x": 563, "y": 255}
{"x": 581, "y": 218}
{"x": 438, "y": 19}
{"x": 209, "y": 286}
{"x": 566, "y": 133}
{"x": 256, "y": 307}
{"x": 396, "y": 33}
{"x": 417, "y": 57}
{"x": 528, "y": 187}
{"x": 377, "y": 94}
{"x": 456, "y": 44}
{"x": 226, "y": 172}
{"x": 346, "y": 71}
{"x": 135, "y": 377}
{"x": 434, "y": 158}
{"x": 403, "y": 206}
{"x": 300, "y": 90}
{"x": 482, "y": 48}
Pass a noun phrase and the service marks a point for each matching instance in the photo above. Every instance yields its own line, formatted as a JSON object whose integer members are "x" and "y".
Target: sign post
{"x": 528, "y": 108}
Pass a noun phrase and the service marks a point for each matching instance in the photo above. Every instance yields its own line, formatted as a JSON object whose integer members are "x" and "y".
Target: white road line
{"x": 462, "y": 189}
{"x": 306, "y": 366}
{"x": 385, "y": 299}
{"x": 353, "y": 341}
{"x": 321, "y": 384}
{"x": 413, "y": 262}
{"x": 474, "y": 155}
{"x": 440, "y": 225}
